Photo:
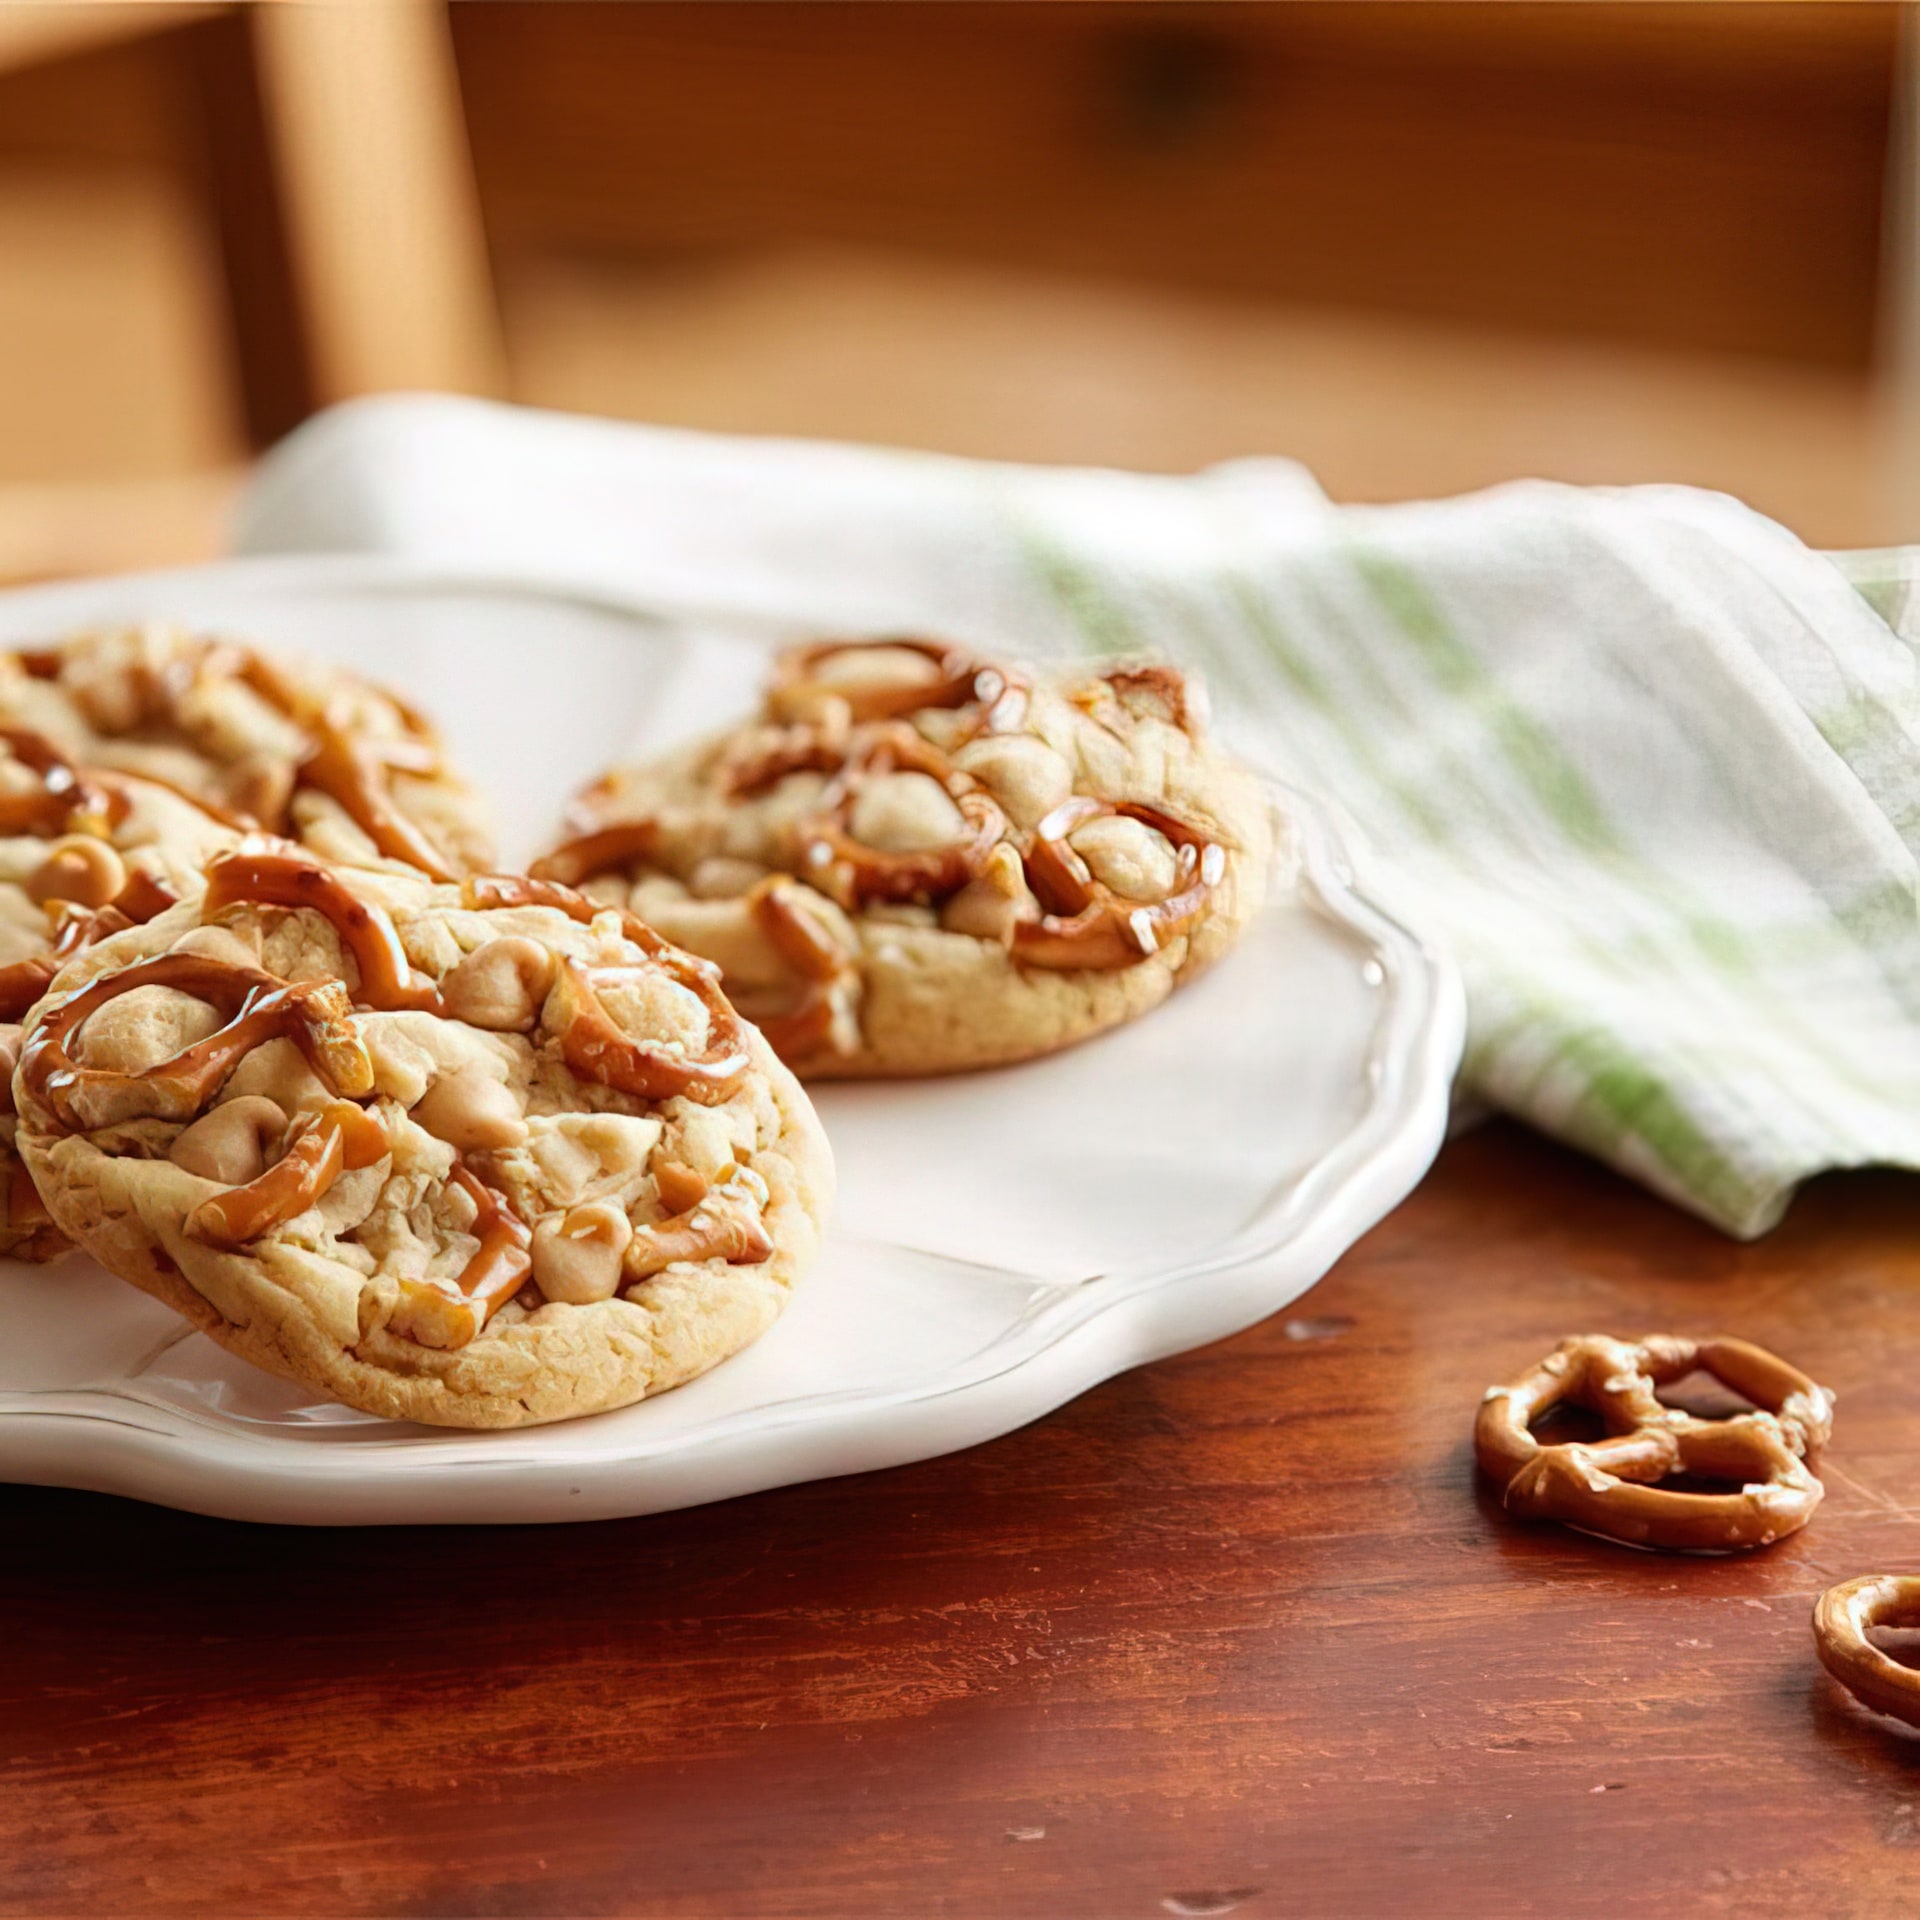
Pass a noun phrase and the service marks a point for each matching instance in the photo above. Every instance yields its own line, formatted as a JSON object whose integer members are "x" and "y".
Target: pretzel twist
{"x": 315, "y": 1014}
{"x": 591, "y": 1041}
{"x": 1610, "y": 1487}
{"x": 1841, "y": 1619}
{"x": 854, "y": 873}
{"x": 1085, "y": 924}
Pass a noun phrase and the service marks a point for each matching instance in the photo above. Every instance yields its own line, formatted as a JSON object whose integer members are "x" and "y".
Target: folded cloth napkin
{"x": 1649, "y": 763}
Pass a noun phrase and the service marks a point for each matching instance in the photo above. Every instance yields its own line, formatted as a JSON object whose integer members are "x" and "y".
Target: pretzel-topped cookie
{"x": 1611, "y": 1486}
{"x": 914, "y": 859}
{"x": 314, "y": 754}
{"x": 479, "y": 1155}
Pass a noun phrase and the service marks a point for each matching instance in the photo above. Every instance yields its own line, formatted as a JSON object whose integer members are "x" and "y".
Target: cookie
{"x": 913, "y": 860}
{"x": 83, "y": 854}
{"x": 305, "y": 751}
{"x": 483, "y": 1155}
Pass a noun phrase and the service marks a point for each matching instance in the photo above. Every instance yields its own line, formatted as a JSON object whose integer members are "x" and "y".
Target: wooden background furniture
{"x": 1422, "y": 247}
{"x": 292, "y": 187}
{"x": 1234, "y": 1633}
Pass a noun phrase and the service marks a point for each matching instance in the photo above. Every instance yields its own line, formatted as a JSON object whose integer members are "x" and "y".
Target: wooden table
{"x": 1232, "y": 1633}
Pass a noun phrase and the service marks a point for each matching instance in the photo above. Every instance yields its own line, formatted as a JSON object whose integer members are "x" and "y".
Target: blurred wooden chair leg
{"x": 343, "y": 193}
{"x": 371, "y": 168}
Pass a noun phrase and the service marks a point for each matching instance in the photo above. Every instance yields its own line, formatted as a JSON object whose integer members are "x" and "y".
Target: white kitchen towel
{"x": 1651, "y": 764}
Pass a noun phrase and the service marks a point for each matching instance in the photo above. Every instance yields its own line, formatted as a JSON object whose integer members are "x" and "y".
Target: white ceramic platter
{"x": 1003, "y": 1241}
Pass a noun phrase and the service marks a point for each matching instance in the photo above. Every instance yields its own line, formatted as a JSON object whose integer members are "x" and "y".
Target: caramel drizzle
{"x": 315, "y": 1014}
{"x": 443, "y": 1315}
{"x": 253, "y": 877}
{"x": 320, "y": 1147}
{"x": 592, "y": 1043}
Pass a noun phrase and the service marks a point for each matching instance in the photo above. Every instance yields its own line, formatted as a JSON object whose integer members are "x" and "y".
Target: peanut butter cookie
{"x": 912, "y": 860}
{"x": 483, "y": 1155}
{"x": 305, "y": 751}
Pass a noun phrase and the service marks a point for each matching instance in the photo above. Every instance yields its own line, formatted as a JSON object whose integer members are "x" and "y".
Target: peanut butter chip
{"x": 906, "y": 813}
{"x": 471, "y": 1111}
{"x": 229, "y": 1142}
{"x": 577, "y": 1257}
{"x": 1128, "y": 857}
{"x": 499, "y": 986}
{"x": 144, "y": 1027}
{"x": 1024, "y": 774}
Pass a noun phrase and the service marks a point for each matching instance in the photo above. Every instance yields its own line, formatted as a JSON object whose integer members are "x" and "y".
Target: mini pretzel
{"x": 961, "y": 682}
{"x": 1610, "y": 1487}
{"x": 714, "y": 1226}
{"x": 354, "y": 771}
{"x": 591, "y": 1041}
{"x": 339, "y": 1140}
{"x": 1084, "y": 925}
{"x": 595, "y": 852}
{"x": 854, "y": 873}
{"x": 1841, "y": 1617}
{"x": 23, "y": 982}
{"x": 824, "y": 968}
{"x": 449, "y": 1314}
{"x": 349, "y": 768}
{"x": 274, "y": 876}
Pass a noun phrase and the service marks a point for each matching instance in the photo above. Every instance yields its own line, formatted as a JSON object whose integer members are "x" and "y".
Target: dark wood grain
{"x": 1234, "y": 1628}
